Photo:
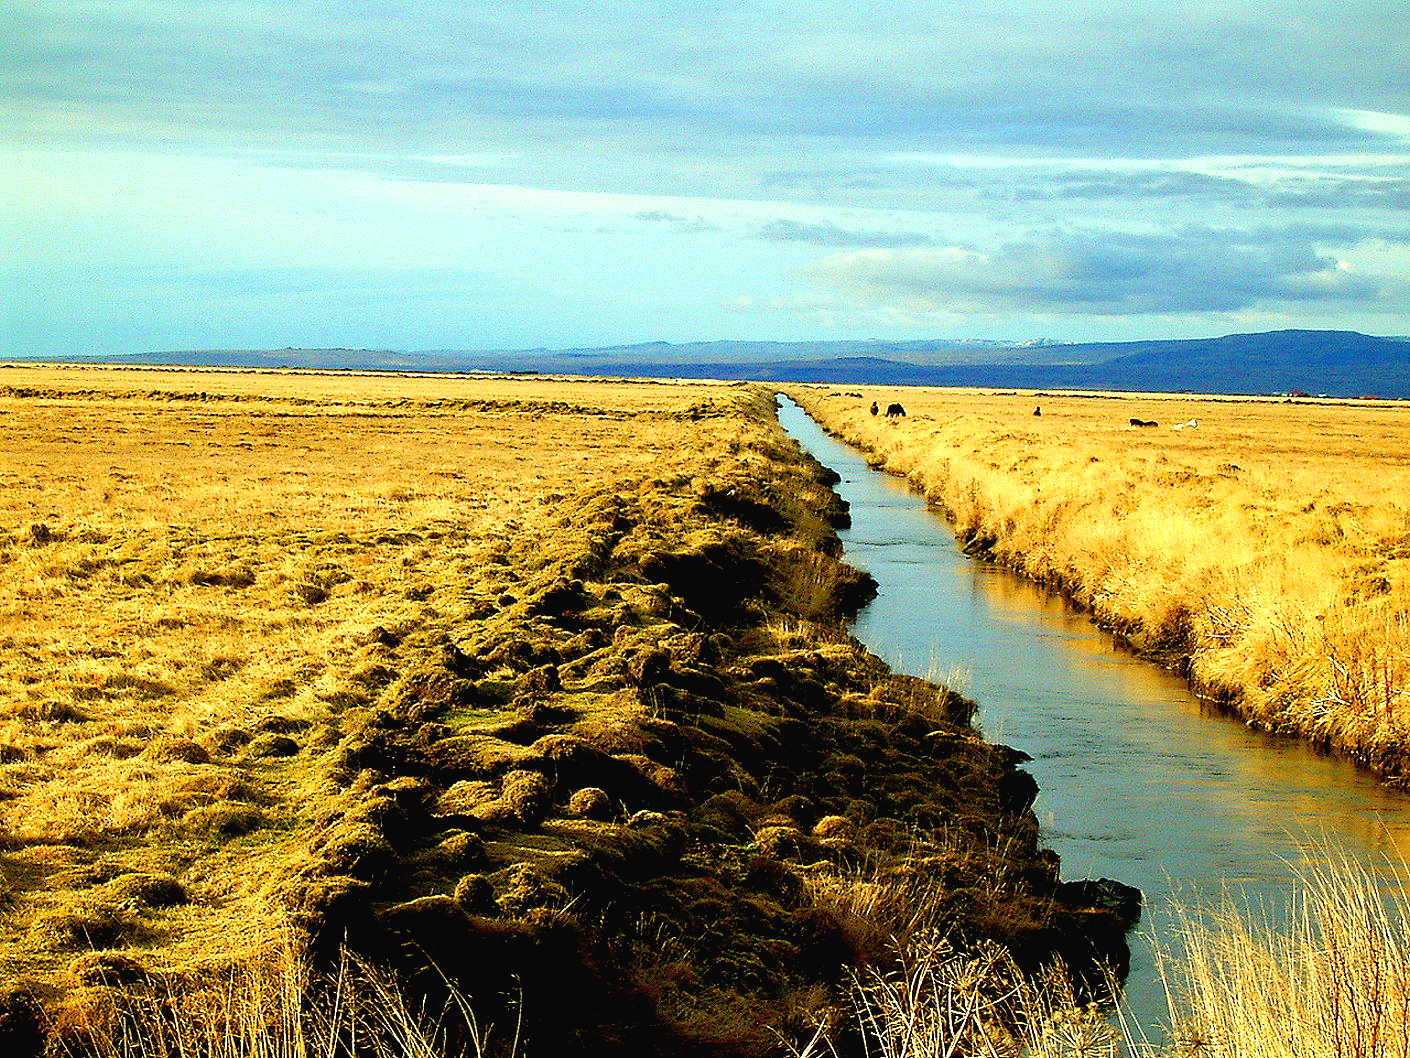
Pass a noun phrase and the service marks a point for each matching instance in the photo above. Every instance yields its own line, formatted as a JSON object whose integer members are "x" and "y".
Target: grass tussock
{"x": 1333, "y": 981}
{"x": 930, "y": 991}
{"x": 1266, "y": 551}
{"x": 278, "y": 1008}
{"x": 947, "y": 1002}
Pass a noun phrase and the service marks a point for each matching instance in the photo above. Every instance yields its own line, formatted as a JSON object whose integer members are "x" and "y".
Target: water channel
{"x": 1140, "y": 781}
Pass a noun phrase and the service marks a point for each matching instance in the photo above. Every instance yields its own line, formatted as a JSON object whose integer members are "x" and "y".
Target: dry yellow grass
{"x": 1268, "y": 547}
{"x": 1330, "y": 980}
{"x": 1334, "y": 982}
{"x": 201, "y": 570}
{"x": 516, "y": 680}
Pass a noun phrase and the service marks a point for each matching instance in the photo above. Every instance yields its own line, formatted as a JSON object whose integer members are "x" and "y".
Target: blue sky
{"x": 237, "y": 173}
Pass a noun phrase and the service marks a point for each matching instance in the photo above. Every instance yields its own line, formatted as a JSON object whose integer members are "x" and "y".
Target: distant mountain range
{"x": 1335, "y": 363}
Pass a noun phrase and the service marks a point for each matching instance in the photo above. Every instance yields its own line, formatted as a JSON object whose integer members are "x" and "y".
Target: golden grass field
{"x": 275, "y": 652}
{"x": 1266, "y": 549}
{"x": 202, "y": 570}
{"x": 506, "y": 684}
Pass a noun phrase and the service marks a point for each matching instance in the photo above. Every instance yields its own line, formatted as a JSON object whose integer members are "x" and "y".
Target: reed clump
{"x": 280, "y": 1007}
{"x": 1326, "y": 976}
{"x": 943, "y": 1001}
{"x": 1264, "y": 551}
{"x": 1328, "y": 979}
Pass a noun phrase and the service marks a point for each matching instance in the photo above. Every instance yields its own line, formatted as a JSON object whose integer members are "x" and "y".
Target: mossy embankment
{"x": 651, "y": 797}
{"x": 644, "y": 797}
{"x": 1260, "y": 549}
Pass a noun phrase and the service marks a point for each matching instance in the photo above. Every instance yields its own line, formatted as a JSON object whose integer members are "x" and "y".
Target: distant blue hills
{"x": 1335, "y": 363}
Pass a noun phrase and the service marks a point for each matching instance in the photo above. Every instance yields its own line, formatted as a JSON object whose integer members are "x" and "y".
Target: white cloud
{"x": 1107, "y": 274}
{"x": 583, "y": 154}
{"x": 1395, "y": 126}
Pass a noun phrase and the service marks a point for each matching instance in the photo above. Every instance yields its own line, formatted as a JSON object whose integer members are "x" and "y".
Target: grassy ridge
{"x": 536, "y": 685}
{"x": 1264, "y": 551}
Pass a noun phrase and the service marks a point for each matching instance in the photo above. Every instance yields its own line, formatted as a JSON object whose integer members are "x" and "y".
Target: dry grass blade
{"x": 282, "y": 1010}
{"x": 1333, "y": 981}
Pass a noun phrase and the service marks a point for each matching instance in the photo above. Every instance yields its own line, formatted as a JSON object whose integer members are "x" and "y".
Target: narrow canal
{"x": 1139, "y": 780}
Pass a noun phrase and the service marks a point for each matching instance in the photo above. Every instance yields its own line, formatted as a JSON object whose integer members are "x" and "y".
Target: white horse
{"x": 1190, "y": 424}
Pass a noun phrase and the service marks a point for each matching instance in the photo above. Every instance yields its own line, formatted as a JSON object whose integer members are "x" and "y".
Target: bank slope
{"x": 1259, "y": 548}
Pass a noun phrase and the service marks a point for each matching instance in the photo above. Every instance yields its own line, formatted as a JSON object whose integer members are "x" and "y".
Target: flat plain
{"x": 546, "y": 680}
{"x": 198, "y": 570}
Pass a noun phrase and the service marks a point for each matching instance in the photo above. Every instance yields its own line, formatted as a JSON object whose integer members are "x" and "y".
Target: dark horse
{"x": 895, "y": 411}
{"x": 874, "y": 408}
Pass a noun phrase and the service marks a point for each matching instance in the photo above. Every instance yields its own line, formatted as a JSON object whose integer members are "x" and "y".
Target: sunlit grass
{"x": 202, "y": 572}
{"x": 1329, "y": 978}
{"x": 1268, "y": 549}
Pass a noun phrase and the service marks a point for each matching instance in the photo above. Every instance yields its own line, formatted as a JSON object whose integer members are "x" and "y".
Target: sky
{"x": 531, "y": 173}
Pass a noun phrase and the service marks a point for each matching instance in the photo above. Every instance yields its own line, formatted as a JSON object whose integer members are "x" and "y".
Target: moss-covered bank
{"x": 657, "y": 801}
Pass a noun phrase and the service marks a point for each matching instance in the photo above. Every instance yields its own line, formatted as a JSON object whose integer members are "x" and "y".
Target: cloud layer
{"x": 565, "y": 174}
{"x": 1107, "y": 274}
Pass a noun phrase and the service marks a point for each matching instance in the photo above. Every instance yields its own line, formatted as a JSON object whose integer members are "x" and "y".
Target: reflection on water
{"x": 1140, "y": 780}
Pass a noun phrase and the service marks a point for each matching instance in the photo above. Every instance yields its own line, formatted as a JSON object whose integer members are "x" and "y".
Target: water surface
{"x": 1139, "y": 780}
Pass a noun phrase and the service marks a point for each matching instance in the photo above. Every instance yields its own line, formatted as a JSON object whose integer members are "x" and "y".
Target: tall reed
{"x": 1332, "y": 981}
{"x": 281, "y": 1009}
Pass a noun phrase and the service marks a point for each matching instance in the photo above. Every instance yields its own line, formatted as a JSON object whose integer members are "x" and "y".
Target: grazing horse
{"x": 1144, "y": 422}
{"x": 1191, "y": 424}
{"x": 874, "y": 408}
{"x": 895, "y": 411}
